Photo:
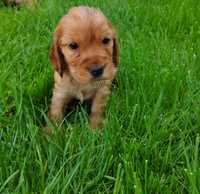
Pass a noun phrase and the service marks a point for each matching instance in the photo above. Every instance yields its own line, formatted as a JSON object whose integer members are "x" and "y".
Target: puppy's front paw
{"x": 47, "y": 130}
{"x": 56, "y": 117}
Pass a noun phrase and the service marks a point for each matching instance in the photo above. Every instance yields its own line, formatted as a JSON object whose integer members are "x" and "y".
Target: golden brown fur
{"x": 88, "y": 29}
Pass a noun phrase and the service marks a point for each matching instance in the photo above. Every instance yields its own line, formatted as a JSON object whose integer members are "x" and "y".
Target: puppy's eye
{"x": 106, "y": 40}
{"x": 73, "y": 45}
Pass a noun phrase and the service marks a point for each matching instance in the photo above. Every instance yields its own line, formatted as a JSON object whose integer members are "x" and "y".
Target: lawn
{"x": 150, "y": 142}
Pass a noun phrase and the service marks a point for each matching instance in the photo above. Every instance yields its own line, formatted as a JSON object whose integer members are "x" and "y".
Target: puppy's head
{"x": 85, "y": 46}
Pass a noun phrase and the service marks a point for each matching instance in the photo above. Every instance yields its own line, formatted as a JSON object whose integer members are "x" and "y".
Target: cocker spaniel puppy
{"x": 85, "y": 57}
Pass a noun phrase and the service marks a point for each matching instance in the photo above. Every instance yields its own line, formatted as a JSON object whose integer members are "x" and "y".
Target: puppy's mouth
{"x": 92, "y": 74}
{"x": 97, "y": 83}
{"x": 102, "y": 78}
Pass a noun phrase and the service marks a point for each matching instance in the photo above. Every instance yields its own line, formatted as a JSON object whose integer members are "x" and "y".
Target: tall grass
{"x": 150, "y": 143}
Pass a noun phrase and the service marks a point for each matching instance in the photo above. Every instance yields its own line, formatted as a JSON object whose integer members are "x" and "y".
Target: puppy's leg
{"x": 59, "y": 100}
{"x": 98, "y": 106}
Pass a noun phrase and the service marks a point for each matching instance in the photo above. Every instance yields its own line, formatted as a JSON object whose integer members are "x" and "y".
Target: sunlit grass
{"x": 150, "y": 143}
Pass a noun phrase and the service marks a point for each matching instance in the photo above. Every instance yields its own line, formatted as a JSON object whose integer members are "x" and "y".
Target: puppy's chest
{"x": 66, "y": 86}
{"x": 84, "y": 92}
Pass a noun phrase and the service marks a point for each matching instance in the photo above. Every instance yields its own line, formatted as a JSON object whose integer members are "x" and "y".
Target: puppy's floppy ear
{"x": 115, "y": 52}
{"x": 57, "y": 58}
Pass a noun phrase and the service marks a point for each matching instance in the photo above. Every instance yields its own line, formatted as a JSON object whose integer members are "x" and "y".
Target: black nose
{"x": 96, "y": 71}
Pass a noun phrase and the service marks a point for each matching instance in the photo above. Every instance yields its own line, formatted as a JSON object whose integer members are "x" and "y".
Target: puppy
{"x": 84, "y": 55}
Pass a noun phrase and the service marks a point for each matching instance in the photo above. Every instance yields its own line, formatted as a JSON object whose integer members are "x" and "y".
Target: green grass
{"x": 150, "y": 143}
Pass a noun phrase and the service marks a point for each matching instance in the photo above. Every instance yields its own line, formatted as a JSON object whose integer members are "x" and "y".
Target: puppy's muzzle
{"x": 96, "y": 71}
